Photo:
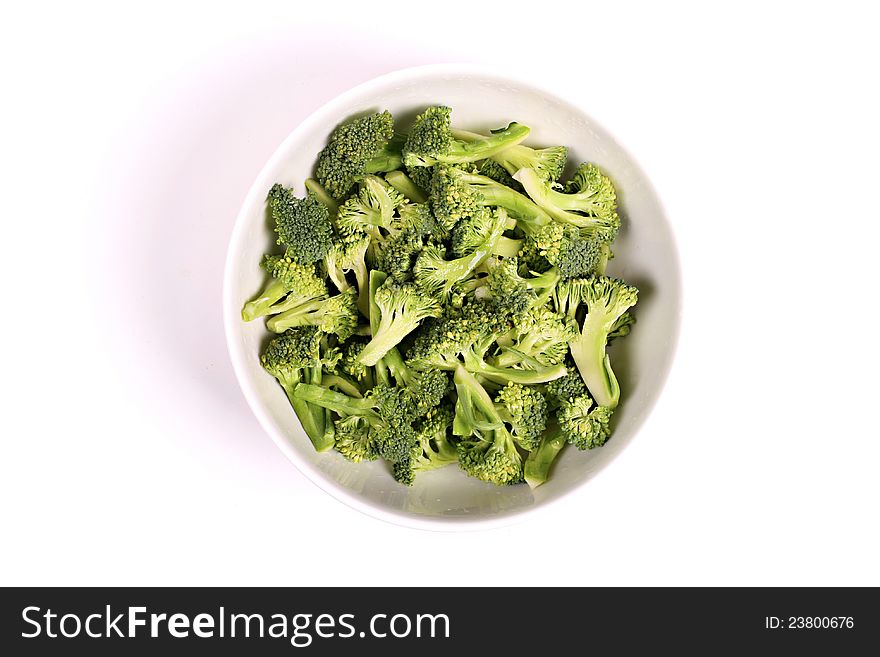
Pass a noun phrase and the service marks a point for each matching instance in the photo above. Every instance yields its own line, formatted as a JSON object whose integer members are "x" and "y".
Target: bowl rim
{"x": 232, "y": 323}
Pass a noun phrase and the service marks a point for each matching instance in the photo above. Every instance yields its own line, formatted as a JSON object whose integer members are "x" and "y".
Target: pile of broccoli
{"x": 441, "y": 298}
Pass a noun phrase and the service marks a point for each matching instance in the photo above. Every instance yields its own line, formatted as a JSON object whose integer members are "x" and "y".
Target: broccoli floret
{"x": 540, "y": 337}
{"x": 525, "y": 410}
{"x": 464, "y": 338}
{"x": 583, "y": 426}
{"x": 370, "y": 209}
{"x": 302, "y": 224}
{"x": 337, "y": 315}
{"x": 421, "y": 177}
{"x": 401, "y": 307}
{"x": 349, "y": 254}
{"x": 431, "y": 140}
{"x": 354, "y": 439}
{"x": 398, "y": 254}
{"x": 434, "y": 448}
{"x": 456, "y": 193}
{"x": 289, "y": 279}
{"x": 574, "y": 252}
{"x": 349, "y": 151}
{"x": 515, "y": 293}
{"x": 538, "y": 464}
{"x": 295, "y": 359}
{"x": 590, "y": 201}
{"x": 487, "y": 450}
{"x": 604, "y": 301}
{"x": 484, "y": 228}
{"x": 565, "y": 388}
{"x": 437, "y": 276}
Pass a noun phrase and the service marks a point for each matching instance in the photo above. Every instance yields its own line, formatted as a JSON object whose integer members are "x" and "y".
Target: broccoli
{"x": 431, "y": 141}
{"x": 491, "y": 169}
{"x": 401, "y": 307}
{"x": 442, "y": 298}
{"x": 456, "y": 193}
{"x": 547, "y": 162}
{"x": 337, "y": 315}
{"x": 403, "y": 184}
{"x": 398, "y": 254}
{"x": 539, "y": 338}
{"x": 622, "y": 327}
{"x": 589, "y": 200}
{"x": 464, "y": 338}
{"x": 583, "y": 426}
{"x": 370, "y": 209}
{"x": 348, "y": 254}
{"x": 574, "y": 252}
{"x": 302, "y": 224}
{"x": 349, "y": 150}
{"x": 604, "y": 301}
{"x": 295, "y": 358}
{"x": 539, "y": 461}
{"x": 433, "y": 449}
{"x": 515, "y": 293}
{"x": 525, "y": 410}
{"x": 565, "y": 388}
{"x": 288, "y": 279}
{"x": 437, "y": 276}
{"x": 487, "y": 449}
{"x": 354, "y": 439}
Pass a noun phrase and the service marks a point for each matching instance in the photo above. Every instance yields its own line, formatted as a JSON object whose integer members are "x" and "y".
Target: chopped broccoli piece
{"x": 295, "y": 359}
{"x": 539, "y": 461}
{"x": 337, "y": 315}
{"x": 583, "y": 426}
{"x": 288, "y": 279}
{"x": 590, "y": 201}
{"x": 401, "y": 308}
{"x": 303, "y": 225}
{"x": 525, "y": 410}
{"x": 431, "y": 141}
{"x": 604, "y": 300}
{"x": 349, "y": 150}
{"x": 487, "y": 450}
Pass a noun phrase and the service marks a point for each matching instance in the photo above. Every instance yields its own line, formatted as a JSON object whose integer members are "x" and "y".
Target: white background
{"x": 130, "y": 137}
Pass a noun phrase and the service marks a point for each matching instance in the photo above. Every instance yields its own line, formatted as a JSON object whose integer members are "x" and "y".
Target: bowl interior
{"x": 645, "y": 256}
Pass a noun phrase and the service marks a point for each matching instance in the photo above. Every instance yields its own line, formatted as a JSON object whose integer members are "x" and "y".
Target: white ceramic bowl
{"x": 645, "y": 256}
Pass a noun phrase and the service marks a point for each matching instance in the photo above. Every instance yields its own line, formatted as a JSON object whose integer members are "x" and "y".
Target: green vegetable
{"x": 442, "y": 299}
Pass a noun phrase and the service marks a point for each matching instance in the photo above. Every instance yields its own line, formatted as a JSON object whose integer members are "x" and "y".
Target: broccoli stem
{"x": 311, "y": 417}
{"x": 303, "y": 315}
{"x": 321, "y": 194}
{"x": 334, "y": 401}
{"x": 344, "y": 385}
{"x": 386, "y": 160}
{"x": 504, "y": 374}
{"x": 402, "y": 183}
{"x": 540, "y": 460}
{"x": 260, "y": 306}
{"x": 388, "y": 335}
{"x": 594, "y": 366}
{"x": 506, "y": 247}
{"x": 494, "y": 193}
{"x": 461, "y": 151}
{"x": 396, "y": 366}
{"x": 472, "y": 399}
{"x": 376, "y": 279}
